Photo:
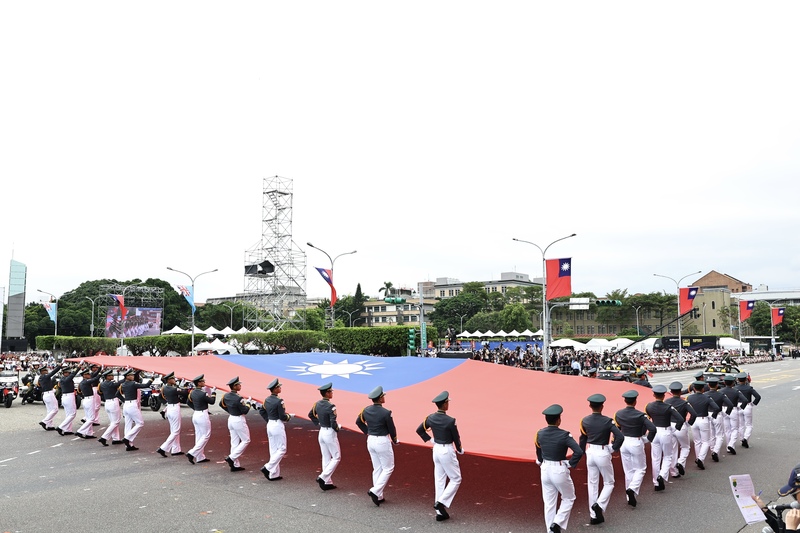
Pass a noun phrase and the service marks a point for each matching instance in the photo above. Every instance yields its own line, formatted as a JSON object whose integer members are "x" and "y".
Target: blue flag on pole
{"x": 52, "y": 310}
{"x": 188, "y": 293}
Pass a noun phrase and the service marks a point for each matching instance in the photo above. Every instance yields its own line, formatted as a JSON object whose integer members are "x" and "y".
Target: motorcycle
{"x": 9, "y": 384}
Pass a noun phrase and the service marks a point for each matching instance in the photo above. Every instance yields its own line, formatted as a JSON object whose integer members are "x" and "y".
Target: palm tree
{"x": 387, "y": 289}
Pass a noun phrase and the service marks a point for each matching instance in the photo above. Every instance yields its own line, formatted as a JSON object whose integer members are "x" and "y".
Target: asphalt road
{"x": 52, "y": 482}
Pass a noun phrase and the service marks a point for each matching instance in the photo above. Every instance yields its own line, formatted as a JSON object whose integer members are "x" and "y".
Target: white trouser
{"x": 51, "y": 404}
{"x": 240, "y": 437}
{"x": 445, "y": 465}
{"x": 701, "y": 434}
{"x": 173, "y": 442}
{"x": 202, "y": 434}
{"x": 746, "y": 421}
{"x": 382, "y": 455}
{"x": 718, "y": 432}
{"x": 634, "y": 462}
{"x": 114, "y": 416}
{"x": 276, "y": 433}
{"x": 556, "y": 480}
{"x": 68, "y": 402}
{"x": 133, "y": 419}
{"x": 681, "y": 447}
{"x": 732, "y": 427}
{"x": 97, "y": 402}
{"x": 661, "y": 451}
{"x": 88, "y": 404}
{"x": 331, "y": 453}
{"x": 598, "y": 464}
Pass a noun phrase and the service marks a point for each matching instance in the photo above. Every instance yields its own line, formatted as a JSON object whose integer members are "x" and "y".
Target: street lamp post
{"x": 333, "y": 317}
{"x": 350, "y": 314}
{"x": 193, "y": 306}
{"x": 636, "y": 308}
{"x": 461, "y": 323}
{"x": 91, "y": 327}
{"x": 231, "y": 307}
{"x": 678, "y": 291}
{"x": 546, "y": 328}
{"x": 55, "y": 321}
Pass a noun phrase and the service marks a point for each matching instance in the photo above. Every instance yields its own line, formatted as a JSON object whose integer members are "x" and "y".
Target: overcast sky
{"x": 426, "y": 135}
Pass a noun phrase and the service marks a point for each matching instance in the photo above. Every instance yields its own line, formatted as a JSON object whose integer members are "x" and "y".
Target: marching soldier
{"x": 596, "y": 431}
{"x": 718, "y": 424}
{"x": 746, "y": 414}
{"x": 88, "y": 387}
{"x": 551, "y": 444}
{"x": 446, "y": 443}
{"x": 98, "y": 401}
{"x": 323, "y": 414}
{"x": 274, "y": 412}
{"x": 684, "y": 409}
{"x": 701, "y": 424}
{"x": 236, "y": 407}
{"x": 376, "y": 422}
{"x": 663, "y": 446}
{"x": 731, "y": 420}
{"x": 67, "y": 386}
{"x": 108, "y": 390}
{"x": 634, "y": 425}
{"x": 132, "y": 408}
{"x": 199, "y": 400}
{"x": 48, "y": 396}
{"x": 171, "y": 394}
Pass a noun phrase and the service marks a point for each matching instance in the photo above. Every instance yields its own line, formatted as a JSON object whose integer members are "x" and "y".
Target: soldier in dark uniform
{"x": 746, "y": 414}
{"x": 376, "y": 422}
{"x": 46, "y": 383}
{"x": 96, "y": 369}
{"x": 67, "y": 386}
{"x": 171, "y": 394}
{"x": 596, "y": 431}
{"x": 634, "y": 425}
{"x": 108, "y": 391}
{"x": 717, "y": 424}
{"x": 132, "y": 408}
{"x": 698, "y": 376}
{"x": 592, "y": 372}
{"x": 685, "y": 409}
{"x": 199, "y": 400}
{"x": 552, "y": 444}
{"x": 706, "y": 410}
{"x": 642, "y": 380}
{"x": 236, "y": 407}
{"x": 323, "y": 414}
{"x": 87, "y": 388}
{"x": 274, "y": 412}
{"x": 663, "y": 446}
{"x": 446, "y": 443}
{"x": 731, "y": 420}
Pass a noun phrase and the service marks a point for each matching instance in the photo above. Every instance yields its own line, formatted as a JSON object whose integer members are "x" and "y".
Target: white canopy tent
{"x": 728, "y": 343}
{"x": 211, "y": 330}
{"x": 644, "y": 346}
{"x": 227, "y": 330}
{"x": 568, "y": 343}
{"x": 619, "y": 344}
{"x": 174, "y": 331}
{"x": 599, "y": 344}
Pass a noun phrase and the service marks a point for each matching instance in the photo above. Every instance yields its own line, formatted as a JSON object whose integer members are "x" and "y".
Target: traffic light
{"x": 695, "y": 312}
{"x": 394, "y": 300}
{"x": 608, "y": 303}
{"x": 412, "y": 339}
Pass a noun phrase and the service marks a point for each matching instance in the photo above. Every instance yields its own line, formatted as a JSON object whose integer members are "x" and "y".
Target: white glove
{"x": 214, "y": 390}
{"x": 460, "y": 452}
{"x": 291, "y": 415}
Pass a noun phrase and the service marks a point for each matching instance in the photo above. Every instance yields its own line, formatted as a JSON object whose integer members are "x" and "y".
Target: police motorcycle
{"x": 33, "y": 392}
{"x": 9, "y": 384}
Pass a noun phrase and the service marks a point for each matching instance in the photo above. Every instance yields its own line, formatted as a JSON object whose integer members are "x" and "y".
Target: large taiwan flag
{"x": 559, "y": 278}
{"x": 746, "y": 309}
{"x": 687, "y": 295}
{"x": 498, "y": 408}
{"x": 777, "y": 315}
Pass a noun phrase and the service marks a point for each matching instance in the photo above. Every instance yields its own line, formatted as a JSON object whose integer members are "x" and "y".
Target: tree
{"x": 387, "y": 289}
{"x": 515, "y": 317}
{"x": 455, "y": 311}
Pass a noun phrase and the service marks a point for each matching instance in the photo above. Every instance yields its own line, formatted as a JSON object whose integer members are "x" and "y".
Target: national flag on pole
{"x": 188, "y": 293}
{"x": 327, "y": 275}
{"x": 52, "y": 310}
{"x": 120, "y": 299}
{"x": 558, "y": 278}
{"x": 777, "y": 315}
{"x": 746, "y": 309}
{"x": 686, "y": 299}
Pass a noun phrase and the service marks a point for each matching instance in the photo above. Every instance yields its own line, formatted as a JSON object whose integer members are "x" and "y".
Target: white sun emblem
{"x": 565, "y": 266}
{"x": 341, "y": 369}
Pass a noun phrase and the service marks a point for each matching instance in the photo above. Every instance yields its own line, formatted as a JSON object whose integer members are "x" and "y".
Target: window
{"x": 450, "y": 292}
{"x": 601, "y": 329}
{"x": 590, "y": 330}
{"x": 579, "y": 330}
{"x": 713, "y": 304}
{"x": 441, "y": 293}
{"x": 503, "y": 289}
{"x": 713, "y": 322}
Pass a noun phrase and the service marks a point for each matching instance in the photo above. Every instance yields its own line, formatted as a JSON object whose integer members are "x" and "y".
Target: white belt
{"x": 559, "y": 463}
{"x": 597, "y": 446}
{"x": 129, "y": 401}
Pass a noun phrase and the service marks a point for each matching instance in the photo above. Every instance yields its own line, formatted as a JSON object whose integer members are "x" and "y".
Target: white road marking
{"x": 57, "y": 445}
{"x": 31, "y": 453}
{"x": 9, "y": 459}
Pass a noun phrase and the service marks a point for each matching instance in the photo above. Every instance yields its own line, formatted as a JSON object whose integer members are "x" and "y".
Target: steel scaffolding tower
{"x": 275, "y": 267}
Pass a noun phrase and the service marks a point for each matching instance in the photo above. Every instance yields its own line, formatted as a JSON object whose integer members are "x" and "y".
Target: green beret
{"x": 553, "y": 410}
{"x": 274, "y": 384}
{"x": 596, "y": 398}
{"x": 630, "y": 394}
{"x": 376, "y": 393}
{"x": 326, "y": 387}
{"x": 233, "y": 382}
{"x": 441, "y": 397}
{"x": 659, "y": 389}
